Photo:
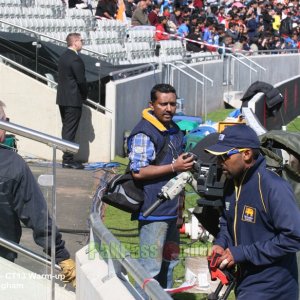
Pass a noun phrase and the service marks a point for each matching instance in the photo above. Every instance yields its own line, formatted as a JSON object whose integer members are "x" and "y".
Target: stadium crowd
{"x": 208, "y": 25}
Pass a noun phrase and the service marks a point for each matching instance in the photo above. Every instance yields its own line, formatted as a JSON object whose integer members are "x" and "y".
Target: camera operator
{"x": 260, "y": 225}
{"x": 154, "y": 135}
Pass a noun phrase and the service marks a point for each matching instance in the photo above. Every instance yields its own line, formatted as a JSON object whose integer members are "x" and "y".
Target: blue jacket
{"x": 261, "y": 227}
{"x": 153, "y": 187}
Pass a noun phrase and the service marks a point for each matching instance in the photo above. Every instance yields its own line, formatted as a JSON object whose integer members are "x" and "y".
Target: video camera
{"x": 210, "y": 183}
{"x": 207, "y": 180}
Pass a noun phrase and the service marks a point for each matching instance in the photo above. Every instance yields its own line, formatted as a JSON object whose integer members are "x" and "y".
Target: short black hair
{"x": 162, "y": 88}
{"x": 161, "y": 18}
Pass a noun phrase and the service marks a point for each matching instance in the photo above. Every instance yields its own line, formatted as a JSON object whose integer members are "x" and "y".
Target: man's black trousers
{"x": 70, "y": 117}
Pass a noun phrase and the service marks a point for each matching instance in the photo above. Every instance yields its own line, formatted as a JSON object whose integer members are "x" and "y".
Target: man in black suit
{"x": 71, "y": 93}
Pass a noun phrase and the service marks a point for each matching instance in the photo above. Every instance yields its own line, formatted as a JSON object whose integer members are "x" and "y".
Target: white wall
{"x": 31, "y": 104}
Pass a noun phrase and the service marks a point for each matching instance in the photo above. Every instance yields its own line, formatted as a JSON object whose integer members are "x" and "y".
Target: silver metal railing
{"x": 229, "y": 68}
{"x": 203, "y": 86}
{"x": 252, "y": 61}
{"x": 55, "y": 143}
{"x": 242, "y": 62}
{"x": 26, "y": 252}
{"x": 139, "y": 274}
{"x": 121, "y": 74}
{"x": 170, "y": 78}
{"x": 38, "y": 136}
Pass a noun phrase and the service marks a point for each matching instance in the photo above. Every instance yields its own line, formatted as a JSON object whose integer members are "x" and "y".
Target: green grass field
{"x": 118, "y": 221}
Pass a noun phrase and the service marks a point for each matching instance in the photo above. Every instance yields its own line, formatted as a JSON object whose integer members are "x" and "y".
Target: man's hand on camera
{"x": 183, "y": 163}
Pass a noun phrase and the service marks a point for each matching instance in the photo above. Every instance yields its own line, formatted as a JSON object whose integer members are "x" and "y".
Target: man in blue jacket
{"x": 159, "y": 235}
{"x": 260, "y": 225}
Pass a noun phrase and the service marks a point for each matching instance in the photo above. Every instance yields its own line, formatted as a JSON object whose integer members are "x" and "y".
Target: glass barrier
{"x": 27, "y": 203}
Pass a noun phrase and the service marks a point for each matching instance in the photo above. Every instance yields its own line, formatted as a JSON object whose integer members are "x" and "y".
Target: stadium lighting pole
{"x": 98, "y": 65}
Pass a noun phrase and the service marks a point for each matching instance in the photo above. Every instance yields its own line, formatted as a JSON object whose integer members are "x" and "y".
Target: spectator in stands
{"x": 208, "y": 32}
{"x": 129, "y": 8}
{"x": 232, "y": 31}
{"x": 170, "y": 26}
{"x": 183, "y": 29}
{"x": 193, "y": 22}
{"x": 161, "y": 34}
{"x": 213, "y": 14}
{"x": 153, "y": 15}
{"x": 252, "y": 24}
{"x": 73, "y": 3}
{"x": 244, "y": 43}
{"x": 286, "y": 25}
{"x": 289, "y": 43}
{"x": 166, "y": 12}
{"x": 71, "y": 93}
{"x": 175, "y": 17}
{"x": 264, "y": 43}
{"x": 221, "y": 15}
{"x": 267, "y": 20}
{"x": 107, "y": 9}
{"x": 140, "y": 15}
{"x": 253, "y": 6}
{"x": 198, "y": 4}
{"x": 186, "y": 12}
{"x": 168, "y": 4}
{"x": 242, "y": 30}
{"x": 253, "y": 45}
{"x": 275, "y": 43}
{"x": 198, "y": 45}
{"x": 201, "y": 23}
{"x": 276, "y": 20}
{"x": 226, "y": 45}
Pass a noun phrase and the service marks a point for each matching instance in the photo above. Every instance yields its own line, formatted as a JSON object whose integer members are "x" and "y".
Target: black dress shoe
{"x": 72, "y": 165}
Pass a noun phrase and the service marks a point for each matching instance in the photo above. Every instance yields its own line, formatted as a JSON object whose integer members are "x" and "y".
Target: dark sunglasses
{"x": 231, "y": 152}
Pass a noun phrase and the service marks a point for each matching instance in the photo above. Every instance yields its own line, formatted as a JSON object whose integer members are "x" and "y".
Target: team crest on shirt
{"x": 249, "y": 214}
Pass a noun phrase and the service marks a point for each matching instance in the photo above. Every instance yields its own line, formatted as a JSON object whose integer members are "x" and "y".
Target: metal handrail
{"x": 121, "y": 73}
{"x": 239, "y": 60}
{"x": 40, "y": 137}
{"x": 25, "y": 69}
{"x": 37, "y": 75}
{"x": 197, "y": 72}
{"x": 184, "y": 72}
{"x": 279, "y": 51}
{"x": 49, "y": 37}
{"x": 253, "y": 62}
{"x": 139, "y": 274}
{"x": 26, "y": 252}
